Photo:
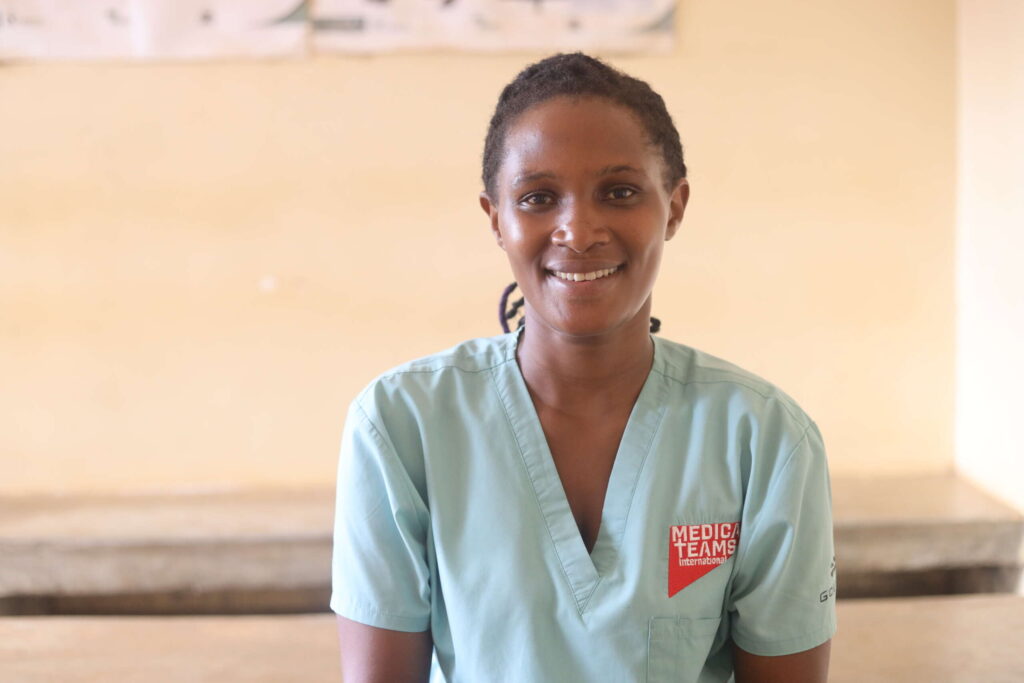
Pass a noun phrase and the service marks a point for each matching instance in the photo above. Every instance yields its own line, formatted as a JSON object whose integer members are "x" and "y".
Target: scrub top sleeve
{"x": 782, "y": 599}
{"x": 380, "y": 573}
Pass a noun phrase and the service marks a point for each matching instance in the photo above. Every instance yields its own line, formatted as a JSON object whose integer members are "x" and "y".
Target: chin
{"x": 588, "y": 328}
{"x": 584, "y": 322}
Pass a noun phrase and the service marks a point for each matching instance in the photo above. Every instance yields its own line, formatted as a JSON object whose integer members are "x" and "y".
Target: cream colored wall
{"x": 990, "y": 246}
{"x": 201, "y": 264}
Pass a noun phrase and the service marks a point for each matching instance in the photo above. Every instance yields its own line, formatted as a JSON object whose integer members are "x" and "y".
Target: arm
{"x": 379, "y": 655}
{"x": 809, "y": 666}
{"x": 381, "y": 578}
{"x": 783, "y": 596}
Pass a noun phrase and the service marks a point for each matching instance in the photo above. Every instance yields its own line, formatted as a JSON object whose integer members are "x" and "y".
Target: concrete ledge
{"x": 194, "y": 544}
{"x": 962, "y": 638}
{"x": 270, "y": 551}
{"x": 922, "y": 522}
{"x": 923, "y": 535}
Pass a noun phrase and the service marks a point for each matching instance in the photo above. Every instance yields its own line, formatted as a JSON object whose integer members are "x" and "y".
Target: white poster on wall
{"x": 493, "y": 25}
{"x": 152, "y": 29}
{"x": 206, "y": 29}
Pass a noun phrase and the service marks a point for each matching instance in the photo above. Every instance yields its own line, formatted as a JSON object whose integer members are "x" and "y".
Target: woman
{"x": 579, "y": 500}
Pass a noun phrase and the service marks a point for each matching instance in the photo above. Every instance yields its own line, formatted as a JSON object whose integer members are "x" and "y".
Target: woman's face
{"x": 583, "y": 214}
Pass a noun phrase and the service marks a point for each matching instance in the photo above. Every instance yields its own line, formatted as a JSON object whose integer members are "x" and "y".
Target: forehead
{"x": 567, "y": 135}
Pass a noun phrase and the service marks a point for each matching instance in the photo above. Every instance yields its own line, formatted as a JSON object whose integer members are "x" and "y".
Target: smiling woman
{"x": 579, "y": 500}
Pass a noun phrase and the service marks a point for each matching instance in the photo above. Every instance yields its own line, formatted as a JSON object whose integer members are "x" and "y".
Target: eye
{"x": 537, "y": 199}
{"x": 621, "y": 192}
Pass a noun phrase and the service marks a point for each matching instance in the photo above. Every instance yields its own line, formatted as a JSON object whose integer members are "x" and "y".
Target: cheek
{"x": 652, "y": 254}
{"x": 519, "y": 258}
{"x": 523, "y": 244}
{"x": 514, "y": 228}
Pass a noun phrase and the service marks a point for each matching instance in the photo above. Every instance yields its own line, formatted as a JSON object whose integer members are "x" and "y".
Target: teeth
{"x": 580, "y": 277}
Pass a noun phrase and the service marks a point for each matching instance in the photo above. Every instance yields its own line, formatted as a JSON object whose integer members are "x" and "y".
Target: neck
{"x": 581, "y": 375}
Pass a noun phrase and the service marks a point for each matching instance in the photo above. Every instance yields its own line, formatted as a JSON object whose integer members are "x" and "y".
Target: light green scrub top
{"x": 716, "y": 524}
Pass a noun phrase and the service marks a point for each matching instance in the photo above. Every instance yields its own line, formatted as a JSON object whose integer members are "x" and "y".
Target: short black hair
{"x": 579, "y": 75}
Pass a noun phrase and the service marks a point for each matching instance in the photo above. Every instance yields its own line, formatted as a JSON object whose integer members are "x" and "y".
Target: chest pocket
{"x": 677, "y": 648}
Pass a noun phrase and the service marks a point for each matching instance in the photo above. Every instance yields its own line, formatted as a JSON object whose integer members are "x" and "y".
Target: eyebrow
{"x": 538, "y": 175}
{"x": 530, "y": 177}
{"x": 616, "y": 169}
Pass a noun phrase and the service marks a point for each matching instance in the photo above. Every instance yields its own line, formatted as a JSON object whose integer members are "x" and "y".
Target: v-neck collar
{"x": 583, "y": 570}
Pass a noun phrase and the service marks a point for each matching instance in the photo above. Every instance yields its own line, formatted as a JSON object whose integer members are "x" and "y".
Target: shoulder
{"x": 470, "y": 356}
{"x": 704, "y": 376}
{"x": 760, "y": 428}
{"x": 455, "y": 372}
{"x": 430, "y": 397}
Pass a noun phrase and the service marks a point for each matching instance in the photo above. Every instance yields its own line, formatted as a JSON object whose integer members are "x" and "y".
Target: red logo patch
{"x": 696, "y": 549}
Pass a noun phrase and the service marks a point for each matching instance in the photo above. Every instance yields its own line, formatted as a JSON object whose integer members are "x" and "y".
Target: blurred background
{"x": 201, "y": 263}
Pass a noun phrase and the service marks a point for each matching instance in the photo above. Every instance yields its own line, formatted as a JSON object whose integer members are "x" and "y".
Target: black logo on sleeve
{"x": 831, "y": 590}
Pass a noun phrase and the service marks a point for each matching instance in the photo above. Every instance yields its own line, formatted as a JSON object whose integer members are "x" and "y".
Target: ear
{"x": 676, "y": 207}
{"x": 491, "y": 209}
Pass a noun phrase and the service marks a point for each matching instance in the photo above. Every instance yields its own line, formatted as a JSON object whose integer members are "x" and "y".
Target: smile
{"x": 581, "y": 277}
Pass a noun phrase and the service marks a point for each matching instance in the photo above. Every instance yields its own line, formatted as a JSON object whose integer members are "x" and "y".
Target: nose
{"x": 580, "y": 228}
